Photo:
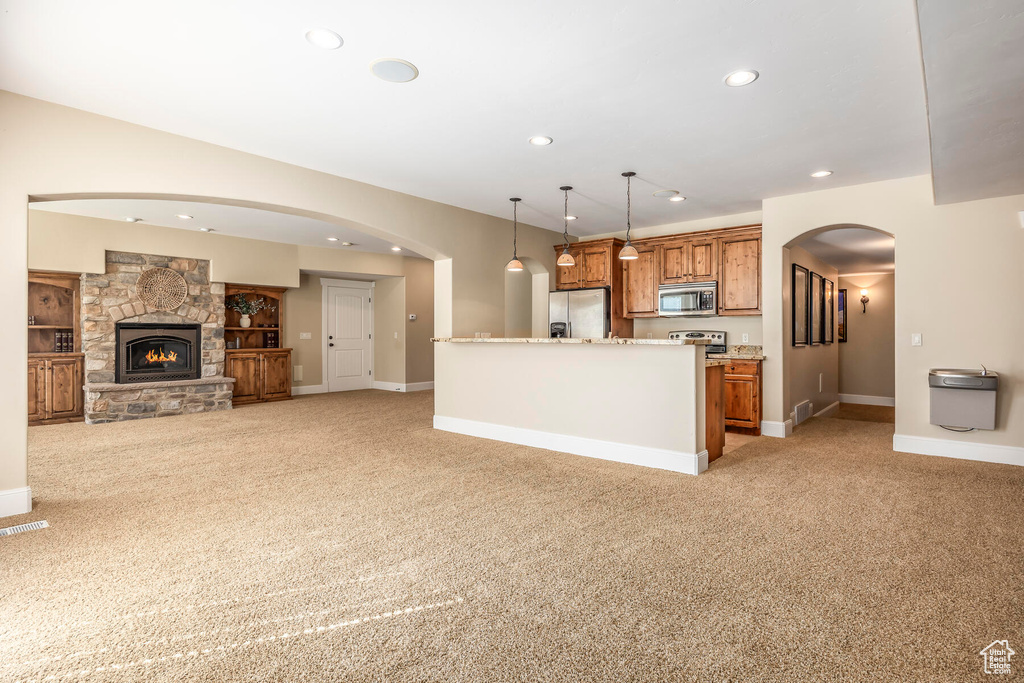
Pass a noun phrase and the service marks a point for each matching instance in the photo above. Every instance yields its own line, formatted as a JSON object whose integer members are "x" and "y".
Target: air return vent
{"x": 31, "y": 526}
{"x": 803, "y": 410}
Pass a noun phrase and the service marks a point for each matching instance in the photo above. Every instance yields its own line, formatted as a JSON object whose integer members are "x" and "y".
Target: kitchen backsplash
{"x": 733, "y": 326}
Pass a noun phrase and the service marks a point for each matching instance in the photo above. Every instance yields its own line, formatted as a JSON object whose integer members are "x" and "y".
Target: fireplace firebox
{"x": 156, "y": 352}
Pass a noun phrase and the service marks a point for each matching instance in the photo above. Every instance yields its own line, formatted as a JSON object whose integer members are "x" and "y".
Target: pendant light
{"x": 565, "y": 258}
{"x": 628, "y": 252}
{"x": 515, "y": 265}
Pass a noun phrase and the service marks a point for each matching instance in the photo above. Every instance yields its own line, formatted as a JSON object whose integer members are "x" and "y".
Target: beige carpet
{"x": 340, "y": 538}
{"x": 863, "y": 413}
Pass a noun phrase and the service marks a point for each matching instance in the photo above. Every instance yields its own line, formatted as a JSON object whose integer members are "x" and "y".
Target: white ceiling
{"x": 237, "y": 221}
{"x": 853, "y": 250}
{"x": 975, "y": 82}
{"x": 618, "y": 85}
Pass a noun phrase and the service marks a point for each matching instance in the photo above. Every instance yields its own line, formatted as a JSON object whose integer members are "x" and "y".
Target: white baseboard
{"x": 395, "y": 386}
{"x": 964, "y": 450}
{"x": 15, "y": 501}
{"x": 779, "y": 430}
{"x": 310, "y": 389}
{"x": 662, "y": 459}
{"x": 828, "y": 410}
{"x": 867, "y": 400}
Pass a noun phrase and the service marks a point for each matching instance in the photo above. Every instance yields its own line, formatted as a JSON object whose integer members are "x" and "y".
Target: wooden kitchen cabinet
{"x": 595, "y": 266}
{"x": 55, "y": 388}
{"x": 739, "y": 288}
{"x": 743, "y": 396}
{"x": 703, "y": 260}
{"x": 568, "y": 277}
{"x": 640, "y": 284}
{"x": 260, "y": 374}
{"x": 688, "y": 260}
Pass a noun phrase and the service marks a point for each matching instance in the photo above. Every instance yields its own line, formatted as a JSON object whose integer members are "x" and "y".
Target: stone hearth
{"x": 111, "y": 297}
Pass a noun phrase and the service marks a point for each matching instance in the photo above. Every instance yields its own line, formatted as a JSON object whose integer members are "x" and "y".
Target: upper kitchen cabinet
{"x": 688, "y": 260}
{"x": 568, "y": 277}
{"x": 640, "y": 284}
{"x": 593, "y": 264}
{"x": 674, "y": 262}
{"x": 739, "y": 287}
{"x": 703, "y": 255}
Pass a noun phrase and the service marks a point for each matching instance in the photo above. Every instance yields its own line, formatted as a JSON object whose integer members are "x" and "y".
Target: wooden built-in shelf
{"x": 261, "y": 373}
{"x": 51, "y": 327}
{"x": 253, "y": 329}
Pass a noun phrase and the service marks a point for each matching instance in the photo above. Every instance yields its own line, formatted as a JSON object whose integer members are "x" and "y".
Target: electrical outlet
{"x": 746, "y": 338}
{"x": 305, "y": 335}
{"x": 915, "y": 339}
{"x": 396, "y": 335}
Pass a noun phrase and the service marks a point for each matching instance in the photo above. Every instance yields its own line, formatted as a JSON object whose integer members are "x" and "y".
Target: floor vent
{"x": 31, "y": 526}
{"x": 803, "y": 410}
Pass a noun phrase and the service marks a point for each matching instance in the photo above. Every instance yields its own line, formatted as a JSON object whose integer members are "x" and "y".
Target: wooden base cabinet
{"x": 55, "y": 388}
{"x": 260, "y": 374}
{"x": 743, "y": 397}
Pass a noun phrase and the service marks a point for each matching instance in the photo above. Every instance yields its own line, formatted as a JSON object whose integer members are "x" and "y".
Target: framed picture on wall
{"x": 830, "y": 303}
{"x": 841, "y": 316}
{"x": 801, "y": 313}
{"x": 817, "y": 309}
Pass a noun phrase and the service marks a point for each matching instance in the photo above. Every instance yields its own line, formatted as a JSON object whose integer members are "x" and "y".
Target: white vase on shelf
{"x": 245, "y": 322}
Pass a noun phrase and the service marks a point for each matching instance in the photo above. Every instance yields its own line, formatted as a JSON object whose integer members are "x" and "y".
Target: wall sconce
{"x": 864, "y": 300}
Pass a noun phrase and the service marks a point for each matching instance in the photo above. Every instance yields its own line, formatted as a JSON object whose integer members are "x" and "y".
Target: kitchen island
{"x": 637, "y": 401}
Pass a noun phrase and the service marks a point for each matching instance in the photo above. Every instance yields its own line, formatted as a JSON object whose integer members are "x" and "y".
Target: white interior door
{"x": 349, "y": 342}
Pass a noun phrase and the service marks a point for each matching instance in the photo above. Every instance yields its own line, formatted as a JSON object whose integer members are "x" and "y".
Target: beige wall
{"x": 55, "y": 152}
{"x": 419, "y": 300}
{"x": 867, "y": 361}
{"x": 957, "y": 269}
{"x": 303, "y": 308}
{"x": 812, "y": 370}
{"x": 518, "y": 304}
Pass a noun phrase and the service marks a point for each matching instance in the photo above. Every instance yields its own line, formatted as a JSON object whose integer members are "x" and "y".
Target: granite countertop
{"x": 715, "y": 362}
{"x": 740, "y": 352}
{"x": 546, "y": 340}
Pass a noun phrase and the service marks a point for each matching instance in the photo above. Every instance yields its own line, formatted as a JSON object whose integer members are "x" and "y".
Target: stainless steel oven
{"x": 691, "y": 299}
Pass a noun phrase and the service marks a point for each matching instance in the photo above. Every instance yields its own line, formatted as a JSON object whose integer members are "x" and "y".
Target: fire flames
{"x": 159, "y": 357}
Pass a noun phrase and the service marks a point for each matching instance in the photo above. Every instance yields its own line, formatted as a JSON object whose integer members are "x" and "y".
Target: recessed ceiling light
{"x": 325, "y": 38}
{"x": 571, "y": 218}
{"x": 184, "y": 216}
{"x": 332, "y": 239}
{"x": 132, "y": 219}
{"x": 677, "y": 198}
{"x": 396, "y": 249}
{"x": 206, "y": 229}
{"x": 741, "y": 77}
{"x": 346, "y": 244}
{"x": 821, "y": 174}
{"x": 540, "y": 140}
{"x": 666, "y": 193}
{"x": 394, "y": 70}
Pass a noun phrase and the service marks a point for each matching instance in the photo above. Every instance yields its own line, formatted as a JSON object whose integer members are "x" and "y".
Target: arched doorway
{"x": 839, "y": 354}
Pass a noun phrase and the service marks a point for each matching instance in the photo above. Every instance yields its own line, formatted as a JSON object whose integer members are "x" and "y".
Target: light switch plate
{"x": 915, "y": 339}
{"x": 305, "y": 335}
{"x": 412, "y": 316}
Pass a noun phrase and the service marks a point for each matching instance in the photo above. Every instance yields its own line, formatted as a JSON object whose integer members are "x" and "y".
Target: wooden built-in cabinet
{"x": 55, "y": 387}
{"x": 597, "y": 266}
{"x": 729, "y": 256}
{"x": 743, "y": 383}
{"x": 56, "y": 368}
{"x": 260, "y": 374}
{"x": 262, "y": 370}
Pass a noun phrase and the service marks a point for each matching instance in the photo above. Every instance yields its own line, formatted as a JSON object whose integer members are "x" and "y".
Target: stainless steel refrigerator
{"x": 579, "y": 313}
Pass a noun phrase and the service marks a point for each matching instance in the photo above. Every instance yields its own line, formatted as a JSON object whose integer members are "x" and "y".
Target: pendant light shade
{"x": 628, "y": 252}
{"x": 515, "y": 265}
{"x": 565, "y": 259}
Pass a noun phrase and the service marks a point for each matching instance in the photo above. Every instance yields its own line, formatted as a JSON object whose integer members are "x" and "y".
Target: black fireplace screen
{"x": 155, "y": 352}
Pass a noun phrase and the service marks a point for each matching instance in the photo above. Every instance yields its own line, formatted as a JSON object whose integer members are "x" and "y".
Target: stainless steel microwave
{"x": 691, "y": 299}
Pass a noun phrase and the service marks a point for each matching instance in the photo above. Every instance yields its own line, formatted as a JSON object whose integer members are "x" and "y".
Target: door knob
{"x": 330, "y": 336}
{"x": 331, "y": 344}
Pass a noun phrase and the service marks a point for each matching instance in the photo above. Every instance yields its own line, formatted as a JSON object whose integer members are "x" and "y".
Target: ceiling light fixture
{"x": 565, "y": 259}
{"x": 666, "y": 193}
{"x": 678, "y": 198}
{"x": 540, "y": 140}
{"x": 741, "y": 78}
{"x": 571, "y": 218}
{"x": 347, "y": 244}
{"x": 332, "y": 239}
{"x": 324, "y": 38}
{"x": 515, "y": 265}
{"x": 205, "y": 229}
{"x": 628, "y": 252}
{"x": 396, "y": 249}
{"x": 183, "y": 216}
{"x": 821, "y": 174}
{"x": 132, "y": 219}
{"x": 394, "y": 70}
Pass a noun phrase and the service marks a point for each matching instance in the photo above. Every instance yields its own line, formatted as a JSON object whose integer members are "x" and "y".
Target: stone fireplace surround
{"x": 111, "y": 297}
